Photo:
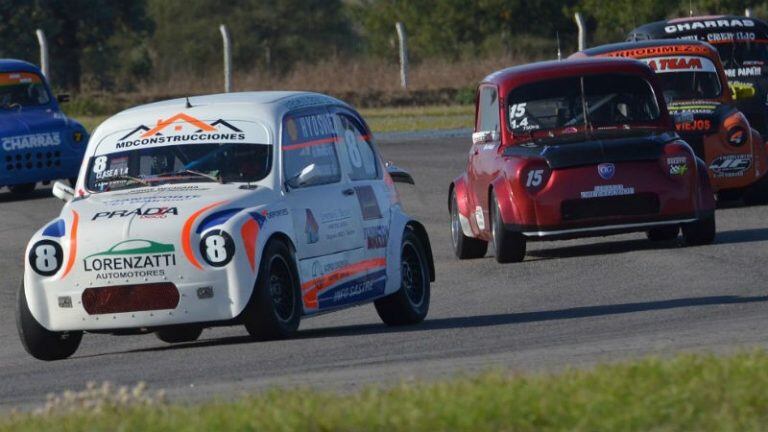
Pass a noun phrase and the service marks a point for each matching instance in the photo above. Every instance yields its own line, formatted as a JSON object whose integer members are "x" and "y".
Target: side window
{"x": 488, "y": 110}
{"x": 356, "y": 148}
{"x": 310, "y": 138}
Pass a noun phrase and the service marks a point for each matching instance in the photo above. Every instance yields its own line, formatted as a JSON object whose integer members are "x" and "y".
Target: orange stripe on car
{"x": 310, "y": 143}
{"x": 72, "y": 245}
{"x": 186, "y": 234}
{"x": 311, "y": 288}
{"x": 250, "y": 232}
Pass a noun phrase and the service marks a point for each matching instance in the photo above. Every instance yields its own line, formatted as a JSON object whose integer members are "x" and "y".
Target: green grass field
{"x": 385, "y": 119}
{"x": 685, "y": 393}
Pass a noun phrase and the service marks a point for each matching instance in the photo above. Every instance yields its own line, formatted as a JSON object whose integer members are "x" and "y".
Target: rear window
{"x": 597, "y": 100}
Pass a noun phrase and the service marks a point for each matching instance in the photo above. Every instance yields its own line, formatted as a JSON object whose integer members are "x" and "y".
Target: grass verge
{"x": 688, "y": 392}
{"x": 403, "y": 119}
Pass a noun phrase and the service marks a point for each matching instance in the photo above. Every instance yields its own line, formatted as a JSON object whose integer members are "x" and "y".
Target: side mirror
{"x": 62, "y": 98}
{"x": 398, "y": 174}
{"x": 308, "y": 175}
{"x": 63, "y": 192}
{"x": 485, "y": 137}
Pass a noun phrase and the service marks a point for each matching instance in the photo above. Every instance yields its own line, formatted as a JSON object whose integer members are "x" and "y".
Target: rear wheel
{"x": 464, "y": 247}
{"x": 665, "y": 233}
{"x": 38, "y": 341}
{"x": 179, "y": 334}
{"x": 409, "y": 304}
{"x": 700, "y": 232}
{"x": 22, "y": 189}
{"x": 509, "y": 246}
{"x": 274, "y": 310}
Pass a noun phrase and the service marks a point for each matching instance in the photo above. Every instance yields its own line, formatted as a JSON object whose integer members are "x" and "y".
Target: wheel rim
{"x": 455, "y": 227}
{"x": 281, "y": 289}
{"x": 412, "y": 272}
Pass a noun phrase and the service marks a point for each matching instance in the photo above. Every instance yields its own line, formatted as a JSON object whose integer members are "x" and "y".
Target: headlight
{"x": 46, "y": 257}
{"x": 217, "y": 248}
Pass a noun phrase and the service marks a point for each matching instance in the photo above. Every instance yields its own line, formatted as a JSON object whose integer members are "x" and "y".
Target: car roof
{"x": 264, "y": 107}
{"x": 658, "y": 29}
{"x": 507, "y": 79}
{"x": 626, "y": 46}
{"x": 13, "y": 65}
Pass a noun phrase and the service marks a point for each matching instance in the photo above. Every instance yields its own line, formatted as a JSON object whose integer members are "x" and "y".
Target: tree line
{"x": 112, "y": 45}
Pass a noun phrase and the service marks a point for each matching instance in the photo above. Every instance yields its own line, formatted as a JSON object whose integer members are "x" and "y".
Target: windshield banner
{"x": 680, "y": 64}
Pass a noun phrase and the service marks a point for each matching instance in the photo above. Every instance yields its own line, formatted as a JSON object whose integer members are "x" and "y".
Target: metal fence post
{"x": 403, "y": 54}
{"x": 582, "y": 30}
{"x": 748, "y": 12}
{"x": 227, "y": 58}
{"x": 44, "y": 63}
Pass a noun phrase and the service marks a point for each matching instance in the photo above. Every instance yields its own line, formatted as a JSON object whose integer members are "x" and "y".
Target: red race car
{"x": 575, "y": 149}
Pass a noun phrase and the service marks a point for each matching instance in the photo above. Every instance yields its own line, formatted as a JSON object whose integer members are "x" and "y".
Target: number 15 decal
{"x": 535, "y": 177}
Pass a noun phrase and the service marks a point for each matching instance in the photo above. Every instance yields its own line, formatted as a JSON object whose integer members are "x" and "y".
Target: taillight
{"x": 677, "y": 160}
{"x": 535, "y": 176}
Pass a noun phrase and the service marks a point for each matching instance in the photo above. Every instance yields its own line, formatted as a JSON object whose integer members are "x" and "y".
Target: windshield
{"x": 188, "y": 163}
{"x": 609, "y": 99}
{"x": 686, "y": 77}
{"x": 22, "y": 89}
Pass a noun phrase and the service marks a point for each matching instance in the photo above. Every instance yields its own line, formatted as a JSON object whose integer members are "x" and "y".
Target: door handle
{"x": 348, "y": 192}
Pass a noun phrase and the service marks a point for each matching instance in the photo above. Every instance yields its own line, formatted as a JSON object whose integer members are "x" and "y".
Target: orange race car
{"x": 696, "y": 90}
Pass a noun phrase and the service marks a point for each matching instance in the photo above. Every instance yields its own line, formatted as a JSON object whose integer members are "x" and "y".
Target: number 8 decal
{"x": 46, "y": 257}
{"x": 217, "y": 248}
{"x": 352, "y": 148}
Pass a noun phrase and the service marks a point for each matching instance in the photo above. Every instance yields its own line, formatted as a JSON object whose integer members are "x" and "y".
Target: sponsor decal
{"x": 372, "y": 269}
{"x": 727, "y": 37}
{"x": 695, "y": 125}
{"x": 147, "y": 213}
{"x": 608, "y": 190}
{"x": 149, "y": 200}
{"x": 131, "y": 259}
{"x": 732, "y": 165}
{"x": 677, "y": 64}
{"x": 368, "y": 203}
{"x": 606, "y": 170}
{"x": 479, "y": 217}
{"x": 678, "y": 166}
{"x": 376, "y": 237}
{"x": 751, "y": 71}
{"x": 311, "y": 228}
{"x": 366, "y": 287}
{"x": 183, "y": 128}
{"x": 660, "y": 51}
{"x": 24, "y": 142}
{"x": 274, "y": 213}
{"x": 714, "y": 23}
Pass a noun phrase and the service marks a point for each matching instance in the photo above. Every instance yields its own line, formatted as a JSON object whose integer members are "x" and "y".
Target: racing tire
{"x": 700, "y": 232}
{"x": 179, "y": 334}
{"x": 464, "y": 247}
{"x": 38, "y": 341}
{"x": 508, "y": 246}
{"x": 275, "y": 308}
{"x": 22, "y": 189}
{"x": 409, "y": 304}
{"x": 664, "y": 233}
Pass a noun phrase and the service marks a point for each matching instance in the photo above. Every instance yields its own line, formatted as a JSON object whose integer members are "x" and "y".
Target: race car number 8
{"x": 45, "y": 257}
{"x": 354, "y": 151}
{"x": 100, "y": 164}
{"x": 217, "y": 248}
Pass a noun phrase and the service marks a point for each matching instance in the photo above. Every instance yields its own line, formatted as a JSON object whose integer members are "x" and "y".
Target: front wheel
{"x": 700, "y": 232}
{"x": 22, "y": 189}
{"x": 38, "y": 341}
{"x": 464, "y": 247}
{"x": 180, "y": 333}
{"x": 409, "y": 304}
{"x": 274, "y": 310}
{"x": 509, "y": 246}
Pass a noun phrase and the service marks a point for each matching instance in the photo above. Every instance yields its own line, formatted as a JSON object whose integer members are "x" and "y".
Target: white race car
{"x": 252, "y": 208}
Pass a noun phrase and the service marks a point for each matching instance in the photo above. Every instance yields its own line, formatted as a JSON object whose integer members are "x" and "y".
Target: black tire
{"x": 464, "y": 247}
{"x": 757, "y": 193}
{"x": 275, "y": 308}
{"x": 664, "y": 233}
{"x": 22, "y": 189}
{"x": 700, "y": 232}
{"x": 409, "y": 304}
{"x": 509, "y": 246}
{"x": 179, "y": 333}
{"x": 38, "y": 341}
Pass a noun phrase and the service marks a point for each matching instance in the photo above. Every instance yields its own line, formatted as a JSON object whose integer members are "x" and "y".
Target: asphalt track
{"x": 573, "y": 302}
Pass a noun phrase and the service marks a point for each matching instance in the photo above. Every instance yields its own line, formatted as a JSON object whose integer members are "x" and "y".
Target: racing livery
{"x": 38, "y": 143}
{"x": 584, "y": 147}
{"x": 699, "y": 99}
{"x": 253, "y": 208}
{"x": 743, "y": 46}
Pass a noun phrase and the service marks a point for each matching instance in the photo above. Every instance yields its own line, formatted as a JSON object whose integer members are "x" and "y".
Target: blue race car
{"x": 38, "y": 143}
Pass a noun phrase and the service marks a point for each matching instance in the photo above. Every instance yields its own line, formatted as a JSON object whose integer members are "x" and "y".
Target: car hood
{"x": 13, "y": 123}
{"x": 158, "y": 214}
